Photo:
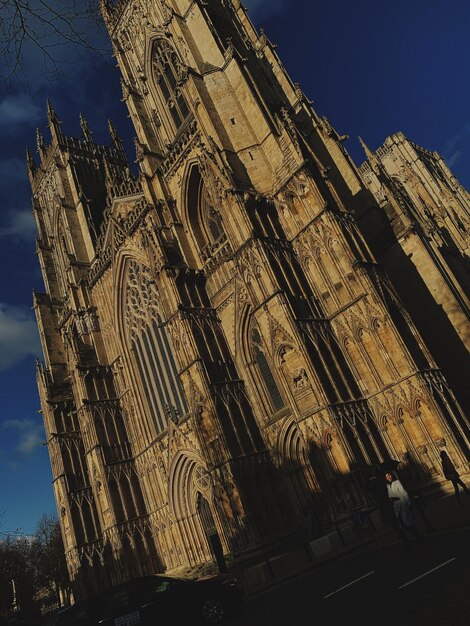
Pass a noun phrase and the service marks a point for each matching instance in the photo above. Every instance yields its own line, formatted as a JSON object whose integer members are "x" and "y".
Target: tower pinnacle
{"x": 86, "y": 131}
{"x": 371, "y": 156}
{"x": 365, "y": 147}
{"x": 30, "y": 163}
{"x": 40, "y": 143}
{"x": 54, "y": 123}
{"x": 115, "y": 138}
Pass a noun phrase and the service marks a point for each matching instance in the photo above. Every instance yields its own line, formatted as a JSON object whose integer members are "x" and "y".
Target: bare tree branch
{"x": 55, "y": 33}
{"x": 8, "y": 533}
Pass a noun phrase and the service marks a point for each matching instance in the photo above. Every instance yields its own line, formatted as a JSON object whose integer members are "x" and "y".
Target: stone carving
{"x": 300, "y": 379}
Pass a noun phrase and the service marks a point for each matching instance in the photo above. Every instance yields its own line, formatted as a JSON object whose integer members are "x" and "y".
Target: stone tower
{"x": 419, "y": 230}
{"x": 222, "y": 350}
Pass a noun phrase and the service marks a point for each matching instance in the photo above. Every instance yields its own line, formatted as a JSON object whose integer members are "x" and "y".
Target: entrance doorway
{"x": 210, "y": 530}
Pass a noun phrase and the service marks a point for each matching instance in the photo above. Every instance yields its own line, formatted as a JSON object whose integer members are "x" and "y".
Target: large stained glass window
{"x": 151, "y": 350}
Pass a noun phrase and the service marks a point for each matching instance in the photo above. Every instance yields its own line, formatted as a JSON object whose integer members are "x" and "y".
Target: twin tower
{"x": 243, "y": 332}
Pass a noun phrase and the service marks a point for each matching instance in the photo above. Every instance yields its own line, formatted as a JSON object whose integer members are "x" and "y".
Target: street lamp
{"x": 15, "y": 606}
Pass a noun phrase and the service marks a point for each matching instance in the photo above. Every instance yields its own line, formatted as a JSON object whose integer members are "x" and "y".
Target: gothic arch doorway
{"x": 194, "y": 509}
{"x": 210, "y": 530}
{"x": 302, "y": 479}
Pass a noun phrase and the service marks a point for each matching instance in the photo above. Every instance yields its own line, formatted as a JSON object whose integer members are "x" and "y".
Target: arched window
{"x": 151, "y": 350}
{"x": 204, "y": 218}
{"x": 265, "y": 372}
{"x": 166, "y": 66}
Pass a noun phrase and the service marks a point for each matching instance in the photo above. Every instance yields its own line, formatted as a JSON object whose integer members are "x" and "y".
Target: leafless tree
{"x": 7, "y": 533}
{"x": 16, "y": 575}
{"x": 49, "y": 557}
{"x": 51, "y": 32}
{"x": 33, "y": 569}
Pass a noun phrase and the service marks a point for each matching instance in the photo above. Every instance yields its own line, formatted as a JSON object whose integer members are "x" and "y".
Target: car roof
{"x": 101, "y": 594}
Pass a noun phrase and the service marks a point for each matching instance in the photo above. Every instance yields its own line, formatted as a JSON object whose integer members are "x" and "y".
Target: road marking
{"x": 349, "y": 584}
{"x": 410, "y": 582}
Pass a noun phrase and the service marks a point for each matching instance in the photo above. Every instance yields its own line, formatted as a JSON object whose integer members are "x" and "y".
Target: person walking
{"x": 402, "y": 508}
{"x": 378, "y": 487}
{"x": 451, "y": 474}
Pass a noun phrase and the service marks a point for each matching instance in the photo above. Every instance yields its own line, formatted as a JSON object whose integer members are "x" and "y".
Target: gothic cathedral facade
{"x": 222, "y": 350}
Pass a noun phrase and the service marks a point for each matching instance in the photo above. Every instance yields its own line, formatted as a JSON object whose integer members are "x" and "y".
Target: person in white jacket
{"x": 402, "y": 507}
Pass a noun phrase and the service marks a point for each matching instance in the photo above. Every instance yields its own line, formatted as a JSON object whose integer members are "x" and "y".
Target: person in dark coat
{"x": 451, "y": 474}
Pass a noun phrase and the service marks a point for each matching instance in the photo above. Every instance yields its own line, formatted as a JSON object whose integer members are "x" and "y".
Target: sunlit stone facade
{"x": 419, "y": 231}
{"x": 222, "y": 350}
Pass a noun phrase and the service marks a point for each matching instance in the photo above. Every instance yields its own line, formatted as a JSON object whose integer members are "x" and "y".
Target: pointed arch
{"x": 146, "y": 343}
{"x": 166, "y": 70}
{"x": 260, "y": 365}
{"x": 184, "y": 483}
{"x": 200, "y": 213}
{"x": 290, "y": 447}
{"x": 296, "y": 463}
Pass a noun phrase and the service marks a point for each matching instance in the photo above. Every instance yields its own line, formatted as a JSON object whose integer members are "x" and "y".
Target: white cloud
{"x": 30, "y": 433}
{"x": 20, "y": 224}
{"x": 17, "y": 110}
{"x": 454, "y": 158}
{"x": 19, "y": 336}
{"x": 452, "y": 150}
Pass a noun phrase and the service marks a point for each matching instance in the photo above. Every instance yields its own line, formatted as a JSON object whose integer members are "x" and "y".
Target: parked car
{"x": 151, "y": 599}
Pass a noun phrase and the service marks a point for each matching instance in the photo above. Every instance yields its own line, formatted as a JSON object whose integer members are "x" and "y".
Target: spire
{"x": 112, "y": 131}
{"x": 108, "y": 177}
{"x": 115, "y": 138}
{"x": 30, "y": 159}
{"x": 54, "y": 123}
{"x": 86, "y": 131}
{"x": 374, "y": 161}
{"x": 30, "y": 163}
{"x": 40, "y": 144}
{"x": 369, "y": 154}
{"x": 51, "y": 114}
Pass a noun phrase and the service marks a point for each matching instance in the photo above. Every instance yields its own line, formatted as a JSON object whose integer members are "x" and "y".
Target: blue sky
{"x": 372, "y": 68}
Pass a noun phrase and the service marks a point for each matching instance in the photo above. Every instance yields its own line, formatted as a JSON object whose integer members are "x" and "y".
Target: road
{"x": 428, "y": 585}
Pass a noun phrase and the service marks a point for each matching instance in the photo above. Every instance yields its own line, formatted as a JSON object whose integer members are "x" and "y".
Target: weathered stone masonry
{"x": 223, "y": 349}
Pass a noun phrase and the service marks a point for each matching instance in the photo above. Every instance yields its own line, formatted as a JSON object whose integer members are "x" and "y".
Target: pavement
{"x": 441, "y": 514}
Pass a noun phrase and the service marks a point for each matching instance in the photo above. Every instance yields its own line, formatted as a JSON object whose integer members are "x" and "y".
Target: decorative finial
{"x": 367, "y": 150}
{"x": 115, "y": 138}
{"x": 86, "y": 131}
{"x": 40, "y": 144}
{"x": 30, "y": 162}
{"x": 372, "y": 158}
{"x": 108, "y": 176}
{"x": 54, "y": 123}
{"x": 112, "y": 131}
{"x": 51, "y": 114}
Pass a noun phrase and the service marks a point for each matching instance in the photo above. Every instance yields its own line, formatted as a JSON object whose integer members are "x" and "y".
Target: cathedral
{"x": 245, "y": 330}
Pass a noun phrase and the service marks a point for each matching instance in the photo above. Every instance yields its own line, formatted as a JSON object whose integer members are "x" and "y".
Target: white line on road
{"x": 410, "y": 582}
{"x": 349, "y": 584}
